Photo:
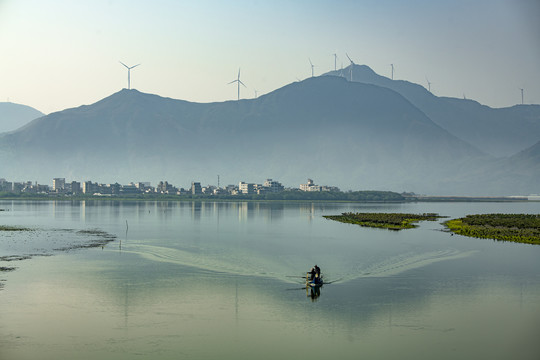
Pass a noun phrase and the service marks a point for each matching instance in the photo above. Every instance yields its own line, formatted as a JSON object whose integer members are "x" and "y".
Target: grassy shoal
{"x": 521, "y": 228}
{"x": 12, "y": 228}
{"x": 390, "y": 221}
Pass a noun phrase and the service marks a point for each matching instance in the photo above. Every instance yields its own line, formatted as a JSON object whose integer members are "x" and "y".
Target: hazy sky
{"x": 60, "y": 54}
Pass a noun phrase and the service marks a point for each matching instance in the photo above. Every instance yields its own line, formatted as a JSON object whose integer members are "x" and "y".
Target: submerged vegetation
{"x": 522, "y": 228}
{"x": 391, "y": 221}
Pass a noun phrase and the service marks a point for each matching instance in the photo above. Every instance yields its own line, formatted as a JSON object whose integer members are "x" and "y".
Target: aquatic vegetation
{"x": 391, "y": 221}
{"x": 13, "y": 228}
{"x": 522, "y": 228}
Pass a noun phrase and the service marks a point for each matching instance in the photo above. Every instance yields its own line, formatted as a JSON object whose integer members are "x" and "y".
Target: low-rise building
{"x": 311, "y": 186}
{"x": 246, "y": 188}
{"x": 196, "y": 188}
{"x": 272, "y": 186}
{"x": 130, "y": 189}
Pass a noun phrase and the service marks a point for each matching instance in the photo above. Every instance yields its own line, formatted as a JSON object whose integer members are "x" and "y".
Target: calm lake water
{"x": 189, "y": 280}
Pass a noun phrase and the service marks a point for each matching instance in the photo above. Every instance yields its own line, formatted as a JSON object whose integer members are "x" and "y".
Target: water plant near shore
{"x": 522, "y": 228}
{"x": 390, "y": 221}
{"x": 13, "y": 228}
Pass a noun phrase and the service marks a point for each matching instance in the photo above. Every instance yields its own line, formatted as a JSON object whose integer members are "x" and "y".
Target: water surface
{"x": 207, "y": 280}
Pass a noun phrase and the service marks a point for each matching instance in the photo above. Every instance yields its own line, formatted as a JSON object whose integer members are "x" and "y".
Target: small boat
{"x": 317, "y": 280}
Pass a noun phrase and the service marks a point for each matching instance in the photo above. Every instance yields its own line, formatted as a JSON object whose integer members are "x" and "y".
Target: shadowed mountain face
{"x": 13, "y": 116}
{"x": 498, "y": 132}
{"x": 348, "y": 134}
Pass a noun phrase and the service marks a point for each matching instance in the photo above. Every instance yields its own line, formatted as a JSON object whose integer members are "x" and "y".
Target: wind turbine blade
{"x": 134, "y": 66}
{"x": 310, "y": 62}
{"x": 352, "y": 62}
{"x": 240, "y": 81}
{"x": 232, "y": 82}
{"x": 124, "y": 64}
{"x": 238, "y": 73}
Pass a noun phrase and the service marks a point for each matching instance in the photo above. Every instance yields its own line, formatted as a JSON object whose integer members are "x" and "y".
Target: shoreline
{"x": 419, "y": 199}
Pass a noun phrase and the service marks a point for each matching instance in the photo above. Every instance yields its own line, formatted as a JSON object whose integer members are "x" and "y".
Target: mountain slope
{"x": 499, "y": 132}
{"x": 13, "y": 116}
{"x": 520, "y": 171}
{"x": 352, "y": 135}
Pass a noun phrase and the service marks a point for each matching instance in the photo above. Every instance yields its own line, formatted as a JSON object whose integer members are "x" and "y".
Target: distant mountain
{"x": 13, "y": 116}
{"x": 498, "y": 132}
{"x": 348, "y": 134}
{"x": 520, "y": 171}
{"x": 529, "y": 156}
{"x": 525, "y": 168}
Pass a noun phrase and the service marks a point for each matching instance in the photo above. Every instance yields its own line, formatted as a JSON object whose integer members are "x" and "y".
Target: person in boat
{"x": 317, "y": 271}
{"x": 312, "y": 273}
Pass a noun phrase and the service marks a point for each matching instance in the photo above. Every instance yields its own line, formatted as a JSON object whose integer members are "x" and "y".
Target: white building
{"x": 272, "y": 186}
{"x": 246, "y": 188}
{"x": 310, "y": 186}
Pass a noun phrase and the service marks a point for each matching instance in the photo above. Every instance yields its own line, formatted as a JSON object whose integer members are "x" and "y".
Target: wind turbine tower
{"x": 239, "y": 82}
{"x": 521, "y": 96}
{"x": 335, "y": 61}
{"x": 351, "y": 66}
{"x": 129, "y": 72}
{"x": 312, "y": 67}
{"x": 392, "y": 65}
{"x": 428, "y": 84}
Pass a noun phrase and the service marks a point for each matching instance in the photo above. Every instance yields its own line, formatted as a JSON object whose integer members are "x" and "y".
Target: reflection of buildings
{"x": 196, "y": 207}
{"x": 267, "y": 211}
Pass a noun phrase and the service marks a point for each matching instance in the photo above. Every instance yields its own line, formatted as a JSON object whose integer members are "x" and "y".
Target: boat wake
{"x": 252, "y": 264}
{"x": 408, "y": 261}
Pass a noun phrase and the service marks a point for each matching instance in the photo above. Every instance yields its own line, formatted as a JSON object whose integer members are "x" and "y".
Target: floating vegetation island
{"x": 522, "y": 228}
{"x": 391, "y": 221}
{"x": 12, "y": 228}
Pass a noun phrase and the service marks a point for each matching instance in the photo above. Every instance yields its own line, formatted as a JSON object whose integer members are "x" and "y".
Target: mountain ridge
{"x": 347, "y": 134}
{"x": 500, "y": 132}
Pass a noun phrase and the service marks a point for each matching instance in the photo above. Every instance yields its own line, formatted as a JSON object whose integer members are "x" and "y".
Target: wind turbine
{"x": 392, "y": 65}
{"x": 129, "y": 72}
{"x": 239, "y": 82}
{"x": 351, "y": 66}
{"x": 521, "y": 96}
{"x": 428, "y": 84}
{"x": 312, "y": 66}
{"x": 335, "y": 61}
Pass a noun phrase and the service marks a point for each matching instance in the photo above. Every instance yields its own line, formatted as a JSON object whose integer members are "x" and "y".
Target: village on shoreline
{"x": 268, "y": 190}
{"x": 74, "y": 188}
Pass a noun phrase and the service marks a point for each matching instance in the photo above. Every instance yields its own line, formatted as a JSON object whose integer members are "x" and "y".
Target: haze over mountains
{"x": 370, "y": 134}
{"x": 13, "y": 116}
